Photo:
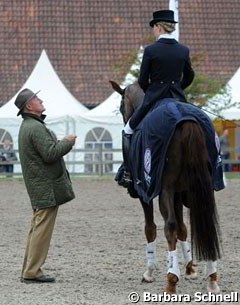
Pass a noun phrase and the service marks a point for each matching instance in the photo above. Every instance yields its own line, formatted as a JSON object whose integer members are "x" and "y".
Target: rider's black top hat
{"x": 163, "y": 15}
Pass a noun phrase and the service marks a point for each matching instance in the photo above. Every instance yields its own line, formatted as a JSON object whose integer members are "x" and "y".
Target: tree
{"x": 207, "y": 92}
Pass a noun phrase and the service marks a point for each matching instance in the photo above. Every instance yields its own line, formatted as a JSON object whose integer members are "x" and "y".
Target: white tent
{"x": 220, "y": 101}
{"x": 59, "y": 102}
{"x": 233, "y": 113}
{"x": 57, "y": 99}
{"x": 65, "y": 114}
{"x": 107, "y": 111}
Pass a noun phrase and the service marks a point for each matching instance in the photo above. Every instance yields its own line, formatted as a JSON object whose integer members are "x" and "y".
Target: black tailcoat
{"x": 165, "y": 72}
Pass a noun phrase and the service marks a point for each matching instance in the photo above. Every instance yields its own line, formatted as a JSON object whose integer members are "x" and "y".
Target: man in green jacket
{"x": 46, "y": 179}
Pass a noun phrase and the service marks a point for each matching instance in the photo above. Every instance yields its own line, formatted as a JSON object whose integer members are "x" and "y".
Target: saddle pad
{"x": 151, "y": 139}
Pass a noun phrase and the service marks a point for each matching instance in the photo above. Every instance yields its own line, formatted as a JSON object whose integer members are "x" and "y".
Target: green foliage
{"x": 126, "y": 61}
{"x": 130, "y": 61}
{"x": 208, "y": 92}
{"x": 202, "y": 89}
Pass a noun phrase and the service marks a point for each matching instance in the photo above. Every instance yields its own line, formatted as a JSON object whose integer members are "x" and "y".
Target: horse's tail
{"x": 203, "y": 214}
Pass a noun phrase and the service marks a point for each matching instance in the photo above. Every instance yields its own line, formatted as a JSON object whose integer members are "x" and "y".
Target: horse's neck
{"x": 137, "y": 102}
{"x": 135, "y": 98}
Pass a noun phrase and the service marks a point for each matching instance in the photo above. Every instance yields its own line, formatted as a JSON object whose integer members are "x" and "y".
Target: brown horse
{"x": 186, "y": 179}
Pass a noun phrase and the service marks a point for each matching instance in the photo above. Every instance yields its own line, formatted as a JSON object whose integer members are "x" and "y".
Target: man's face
{"x": 35, "y": 105}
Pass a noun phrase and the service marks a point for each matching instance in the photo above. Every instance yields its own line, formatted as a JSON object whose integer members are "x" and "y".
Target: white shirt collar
{"x": 168, "y": 36}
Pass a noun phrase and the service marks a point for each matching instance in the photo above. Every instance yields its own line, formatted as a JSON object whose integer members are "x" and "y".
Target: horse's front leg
{"x": 211, "y": 274}
{"x": 166, "y": 205}
{"x": 150, "y": 233}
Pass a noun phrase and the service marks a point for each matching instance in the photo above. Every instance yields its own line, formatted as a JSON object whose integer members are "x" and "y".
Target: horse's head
{"x": 132, "y": 97}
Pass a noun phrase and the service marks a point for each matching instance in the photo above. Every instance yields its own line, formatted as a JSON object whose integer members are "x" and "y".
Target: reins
{"x": 216, "y": 115}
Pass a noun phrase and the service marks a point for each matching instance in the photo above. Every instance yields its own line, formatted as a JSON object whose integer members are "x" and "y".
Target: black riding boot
{"x": 126, "y": 144}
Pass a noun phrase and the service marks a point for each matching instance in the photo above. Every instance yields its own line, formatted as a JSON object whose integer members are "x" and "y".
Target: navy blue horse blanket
{"x": 150, "y": 143}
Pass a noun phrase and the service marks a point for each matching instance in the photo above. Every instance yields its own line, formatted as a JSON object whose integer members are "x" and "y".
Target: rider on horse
{"x": 165, "y": 72}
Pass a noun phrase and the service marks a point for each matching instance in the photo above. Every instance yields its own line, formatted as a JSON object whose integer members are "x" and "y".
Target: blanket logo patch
{"x": 147, "y": 160}
{"x": 147, "y": 165}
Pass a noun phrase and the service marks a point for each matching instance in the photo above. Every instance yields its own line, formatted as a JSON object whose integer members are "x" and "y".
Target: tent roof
{"x": 233, "y": 113}
{"x": 110, "y": 107}
{"x": 234, "y": 86}
{"x": 57, "y": 99}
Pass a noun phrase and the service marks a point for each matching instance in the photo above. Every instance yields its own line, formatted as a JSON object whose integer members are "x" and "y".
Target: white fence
{"x": 89, "y": 162}
{"x": 98, "y": 161}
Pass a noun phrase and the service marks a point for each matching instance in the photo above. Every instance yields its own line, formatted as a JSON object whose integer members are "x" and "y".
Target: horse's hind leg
{"x": 190, "y": 271}
{"x": 166, "y": 205}
{"x": 211, "y": 274}
{"x": 150, "y": 233}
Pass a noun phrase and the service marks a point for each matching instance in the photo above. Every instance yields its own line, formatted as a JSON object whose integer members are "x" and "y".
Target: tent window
{"x": 4, "y": 135}
{"x": 98, "y": 138}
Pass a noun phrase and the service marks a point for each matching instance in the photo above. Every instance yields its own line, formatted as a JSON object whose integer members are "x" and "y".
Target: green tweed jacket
{"x": 44, "y": 171}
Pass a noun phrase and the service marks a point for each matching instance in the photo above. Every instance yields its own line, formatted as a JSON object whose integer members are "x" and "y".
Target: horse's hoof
{"x": 147, "y": 279}
{"x": 191, "y": 273}
{"x": 191, "y": 276}
{"x": 147, "y": 275}
{"x": 212, "y": 284}
{"x": 171, "y": 291}
{"x": 171, "y": 286}
{"x": 213, "y": 287}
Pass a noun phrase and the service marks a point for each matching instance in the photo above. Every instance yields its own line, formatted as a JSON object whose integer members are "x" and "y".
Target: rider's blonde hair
{"x": 167, "y": 26}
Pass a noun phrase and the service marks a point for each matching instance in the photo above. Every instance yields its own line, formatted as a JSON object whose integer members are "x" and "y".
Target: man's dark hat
{"x": 23, "y": 97}
{"x": 163, "y": 15}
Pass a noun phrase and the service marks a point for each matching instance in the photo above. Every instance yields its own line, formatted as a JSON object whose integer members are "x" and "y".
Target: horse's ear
{"x": 116, "y": 87}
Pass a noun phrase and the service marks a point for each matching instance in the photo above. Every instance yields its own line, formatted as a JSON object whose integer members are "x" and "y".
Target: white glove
{"x": 127, "y": 129}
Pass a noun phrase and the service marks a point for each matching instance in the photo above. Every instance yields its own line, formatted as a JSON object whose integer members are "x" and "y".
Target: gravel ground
{"x": 98, "y": 248}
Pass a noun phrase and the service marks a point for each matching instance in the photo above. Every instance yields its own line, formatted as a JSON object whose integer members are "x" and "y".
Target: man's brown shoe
{"x": 39, "y": 280}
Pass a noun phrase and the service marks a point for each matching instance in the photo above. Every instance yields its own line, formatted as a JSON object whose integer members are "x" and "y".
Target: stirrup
{"x": 126, "y": 180}
{"x": 119, "y": 174}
